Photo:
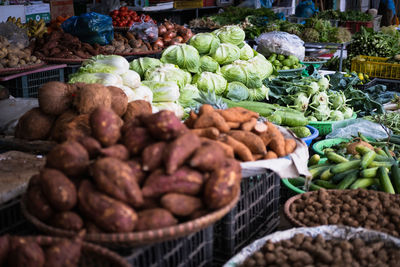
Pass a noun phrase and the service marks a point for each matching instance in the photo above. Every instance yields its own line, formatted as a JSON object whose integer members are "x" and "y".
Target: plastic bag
{"x": 306, "y": 9}
{"x": 146, "y": 31}
{"x": 280, "y": 43}
{"x": 367, "y": 128}
{"x": 14, "y": 34}
{"x": 92, "y": 28}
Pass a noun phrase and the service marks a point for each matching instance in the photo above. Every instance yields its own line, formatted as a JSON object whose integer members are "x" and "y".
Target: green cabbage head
{"x": 258, "y": 94}
{"x": 141, "y": 65}
{"x": 246, "y": 52}
{"x": 208, "y": 64}
{"x": 237, "y": 91}
{"x": 163, "y": 91}
{"x": 230, "y": 34}
{"x": 242, "y": 71}
{"x": 185, "y": 56}
{"x": 168, "y": 73}
{"x": 187, "y": 96}
{"x": 226, "y": 54}
{"x": 205, "y": 43}
{"x": 262, "y": 66}
{"x": 208, "y": 81}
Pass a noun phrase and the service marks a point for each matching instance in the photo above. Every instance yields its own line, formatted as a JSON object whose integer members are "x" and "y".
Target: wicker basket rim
{"x": 20, "y": 69}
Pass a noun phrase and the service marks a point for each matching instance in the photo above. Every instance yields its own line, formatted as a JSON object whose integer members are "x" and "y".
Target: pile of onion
{"x": 171, "y": 34}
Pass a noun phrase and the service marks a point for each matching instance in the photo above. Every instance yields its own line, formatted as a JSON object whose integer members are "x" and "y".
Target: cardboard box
{"x": 61, "y": 8}
{"x": 38, "y": 12}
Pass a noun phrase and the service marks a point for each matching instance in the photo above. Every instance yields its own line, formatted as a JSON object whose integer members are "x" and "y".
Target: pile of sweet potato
{"x": 145, "y": 173}
{"x": 239, "y": 132}
{"x": 25, "y": 252}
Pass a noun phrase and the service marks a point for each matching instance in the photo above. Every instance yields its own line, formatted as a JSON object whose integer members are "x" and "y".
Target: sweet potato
{"x": 65, "y": 253}
{"x": 210, "y": 132}
{"x": 271, "y": 155}
{"x": 136, "y": 168}
{"x": 240, "y": 149}
{"x": 249, "y": 125}
{"x": 109, "y": 214}
{"x": 223, "y": 185}
{"x": 115, "y": 178}
{"x": 258, "y": 156}
{"x": 237, "y": 114}
{"x": 58, "y": 189}
{"x": 207, "y": 158}
{"x": 228, "y": 150}
{"x": 119, "y": 100}
{"x": 34, "y": 125}
{"x": 92, "y": 96}
{"x": 67, "y": 220}
{"x": 91, "y": 145}
{"x": 251, "y": 140}
{"x": 27, "y": 254}
{"x": 136, "y": 109}
{"x": 277, "y": 143}
{"x": 212, "y": 119}
{"x": 290, "y": 146}
{"x": 117, "y": 151}
{"x": 69, "y": 157}
{"x": 55, "y": 97}
{"x": 152, "y": 156}
{"x": 106, "y": 126}
{"x": 180, "y": 204}
{"x": 164, "y": 125}
{"x": 206, "y": 108}
{"x": 77, "y": 128}
{"x": 92, "y": 228}
{"x": 185, "y": 180}
{"x": 60, "y": 125}
{"x": 233, "y": 125}
{"x": 136, "y": 139}
{"x": 155, "y": 219}
{"x": 4, "y": 248}
{"x": 189, "y": 122}
{"x": 179, "y": 150}
{"x": 198, "y": 213}
{"x": 37, "y": 203}
{"x": 260, "y": 128}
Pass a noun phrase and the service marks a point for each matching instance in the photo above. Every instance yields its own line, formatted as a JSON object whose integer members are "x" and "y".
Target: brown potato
{"x": 55, "y": 97}
{"x": 26, "y": 254}
{"x": 69, "y": 157}
{"x": 60, "y": 125}
{"x": 155, "y": 219}
{"x": 37, "y": 203}
{"x": 117, "y": 151}
{"x": 119, "y": 100}
{"x": 136, "y": 109}
{"x": 64, "y": 254}
{"x": 115, "y": 178}
{"x": 92, "y": 96}
{"x": 136, "y": 139}
{"x": 58, "y": 189}
{"x": 67, "y": 220}
{"x": 180, "y": 204}
{"x": 136, "y": 168}
{"x": 152, "y": 156}
{"x": 107, "y": 213}
{"x": 34, "y": 125}
{"x": 164, "y": 125}
{"x": 77, "y": 128}
{"x": 106, "y": 126}
{"x": 91, "y": 145}
{"x": 4, "y": 248}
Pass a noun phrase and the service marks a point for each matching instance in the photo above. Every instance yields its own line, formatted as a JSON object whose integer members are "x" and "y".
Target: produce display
{"x": 33, "y": 27}
{"x": 389, "y": 119}
{"x": 123, "y": 17}
{"x": 303, "y": 250}
{"x": 357, "y": 208}
{"x": 15, "y": 55}
{"x": 282, "y": 62}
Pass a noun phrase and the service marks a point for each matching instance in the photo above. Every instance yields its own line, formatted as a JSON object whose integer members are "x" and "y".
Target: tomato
{"x": 147, "y": 18}
{"x": 114, "y": 12}
{"x": 123, "y": 8}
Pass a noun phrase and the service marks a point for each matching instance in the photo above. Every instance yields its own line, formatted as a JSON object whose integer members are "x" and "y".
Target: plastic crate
{"x": 355, "y": 26}
{"x": 376, "y": 67}
{"x": 195, "y": 250}
{"x": 11, "y": 219}
{"x": 325, "y": 127}
{"x": 27, "y": 84}
{"x": 256, "y": 214}
{"x": 391, "y": 85}
{"x": 70, "y": 69}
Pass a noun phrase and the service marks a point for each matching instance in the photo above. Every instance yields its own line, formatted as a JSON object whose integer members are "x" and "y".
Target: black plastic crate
{"x": 11, "y": 219}
{"x": 28, "y": 85}
{"x": 70, "y": 69}
{"x": 255, "y": 215}
{"x": 194, "y": 250}
{"x": 285, "y": 193}
{"x": 391, "y": 85}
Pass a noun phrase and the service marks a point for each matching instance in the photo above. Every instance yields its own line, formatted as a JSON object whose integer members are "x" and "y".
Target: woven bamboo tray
{"x": 286, "y": 209}
{"x": 91, "y": 255}
{"x": 5, "y": 71}
{"x": 135, "y": 238}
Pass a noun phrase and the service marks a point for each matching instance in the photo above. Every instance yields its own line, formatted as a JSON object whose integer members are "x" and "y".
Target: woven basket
{"x": 91, "y": 255}
{"x": 4, "y": 71}
{"x": 135, "y": 238}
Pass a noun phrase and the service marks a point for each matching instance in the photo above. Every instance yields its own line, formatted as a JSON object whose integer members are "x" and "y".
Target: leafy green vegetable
{"x": 141, "y": 65}
{"x": 208, "y": 81}
{"x": 168, "y": 73}
{"x": 242, "y": 71}
{"x": 230, "y": 34}
{"x": 163, "y": 91}
{"x": 246, "y": 52}
{"x": 258, "y": 94}
{"x": 174, "y": 107}
{"x": 141, "y": 93}
{"x": 131, "y": 79}
{"x": 187, "y": 95}
{"x": 226, "y": 53}
{"x": 102, "y": 78}
{"x": 262, "y": 66}
{"x": 237, "y": 91}
{"x": 105, "y": 64}
{"x": 208, "y": 64}
{"x": 205, "y": 43}
{"x": 185, "y": 56}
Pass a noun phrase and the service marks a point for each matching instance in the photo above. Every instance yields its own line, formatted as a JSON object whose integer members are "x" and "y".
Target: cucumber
{"x": 317, "y": 171}
{"x": 327, "y": 164}
{"x": 347, "y": 181}
{"x": 357, "y": 156}
{"x": 300, "y": 181}
{"x": 367, "y": 159}
{"x": 325, "y": 184}
{"x": 382, "y": 153}
{"x": 387, "y": 151}
{"x": 340, "y": 176}
{"x": 314, "y": 160}
{"x": 363, "y": 183}
{"x": 326, "y": 175}
{"x": 385, "y": 181}
{"x": 386, "y": 164}
{"x": 369, "y": 173}
{"x": 362, "y": 149}
{"x": 362, "y": 137}
{"x": 395, "y": 174}
{"x": 379, "y": 157}
{"x": 328, "y": 149}
{"x": 345, "y": 166}
{"x": 334, "y": 157}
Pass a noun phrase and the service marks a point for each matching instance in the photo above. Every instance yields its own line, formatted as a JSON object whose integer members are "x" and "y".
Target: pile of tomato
{"x": 123, "y": 17}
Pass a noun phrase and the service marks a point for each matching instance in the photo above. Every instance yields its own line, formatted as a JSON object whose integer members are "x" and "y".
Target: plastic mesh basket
{"x": 70, "y": 69}
{"x": 256, "y": 214}
{"x": 194, "y": 250}
{"x": 376, "y": 67}
{"x": 325, "y": 127}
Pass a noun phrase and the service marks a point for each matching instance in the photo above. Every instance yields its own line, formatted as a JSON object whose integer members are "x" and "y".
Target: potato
{"x": 119, "y": 100}
{"x": 152, "y": 156}
{"x": 207, "y": 158}
{"x": 26, "y": 254}
{"x": 109, "y": 214}
{"x": 69, "y": 157}
{"x": 60, "y": 125}
{"x": 64, "y": 254}
{"x": 106, "y": 126}
{"x": 117, "y": 151}
{"x": 136, "y": 109}
{"x": 151, "y": 219}
{"x": 34, "y": 125}
{"x": 180, "y": 204}
{"x": 37, "y": 203}
{"x": 136, "y": 139}
{"x": 92, "y": 96}
{"x": 4, "y": 248}
{"x": 178, "y": 151}
{"x": 115, "y": 178}
{"x": 185, "y": 180}
{"x": 136, "y": 168}
{"x": 223, "y": 185}
{"x": 58, "y": 189}
{"x": 55, "y": 97}
{"x": 67, "y": 220}
{"x": 91, "y": 145}
{"x": 164, "y": 125}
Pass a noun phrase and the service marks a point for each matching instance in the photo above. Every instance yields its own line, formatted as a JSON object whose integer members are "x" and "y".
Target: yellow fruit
{"x": 366, "y": 76}
{"x": 361, "y": 76}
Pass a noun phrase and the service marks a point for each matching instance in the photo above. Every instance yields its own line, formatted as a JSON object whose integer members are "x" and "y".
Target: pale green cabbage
{"x": 208, "y": 81}
{"x": 237, "y": 91}
{"x": 205, "y": 43}
{"x": 142, "y": 93}
{"x": 230, "y": 34}
{"x": 105, "y": 64}
{"x": 185, "y": 56}
{"x": 163, "y": 91}
{"x": 168, "y": 73}
{"x": 176, "y": 108}
{"x": 242, "y": 71}
{"x": 258, "y": 94}
{"x": 262, "y": 66}
{"x": 141, "y": 65}
{"x": 187, "y": 95}
{"x": 226, "y": 54}
{"x": 246, "y": 52}
{"x": 208, "y": 64}
{"x": 102, "y": 78}
{"x": 131, "y": 79}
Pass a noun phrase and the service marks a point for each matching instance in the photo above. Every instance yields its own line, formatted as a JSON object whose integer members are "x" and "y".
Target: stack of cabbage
{"x": 220, "y": 62}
